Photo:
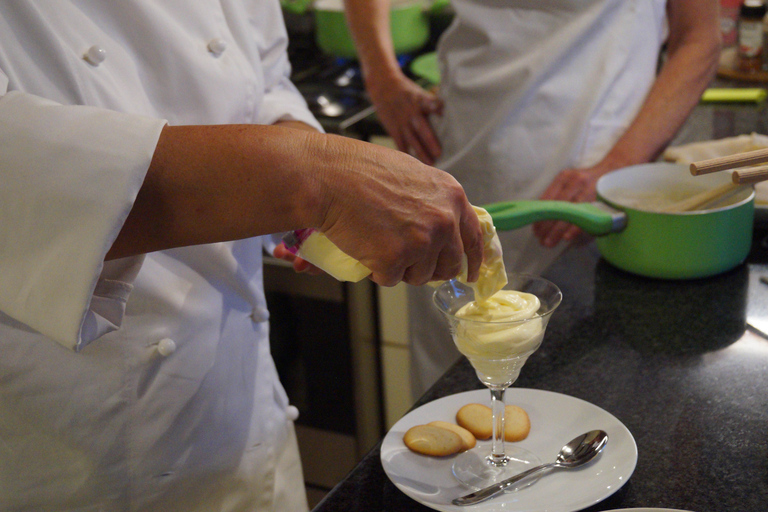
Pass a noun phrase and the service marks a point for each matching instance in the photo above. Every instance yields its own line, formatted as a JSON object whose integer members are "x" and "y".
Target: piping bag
{"x": 493, "y": 275}
{"x": 313, "y": 246}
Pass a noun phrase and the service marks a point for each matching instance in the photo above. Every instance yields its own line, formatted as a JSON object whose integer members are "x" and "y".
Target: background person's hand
{"x": 573, "y": 185}
{"x": 299, "y": 264}
{"x": 404, "y": 108}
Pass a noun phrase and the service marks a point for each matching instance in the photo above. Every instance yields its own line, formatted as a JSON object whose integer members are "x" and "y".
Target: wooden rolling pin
{"x": 752, "y": 175}
{"x": 759, "y": 156}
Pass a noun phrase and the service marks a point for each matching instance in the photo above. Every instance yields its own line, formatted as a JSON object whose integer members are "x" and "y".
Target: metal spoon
{"x": 576, "y": 453}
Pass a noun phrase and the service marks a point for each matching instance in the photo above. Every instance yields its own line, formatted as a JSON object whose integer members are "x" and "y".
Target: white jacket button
{"x": 95, "y": 55}
{"x": 166, "y": 347}
{"x": 217, "y": 46}
{"x": 292, "y": 413}
{"x": 260, "y": 314}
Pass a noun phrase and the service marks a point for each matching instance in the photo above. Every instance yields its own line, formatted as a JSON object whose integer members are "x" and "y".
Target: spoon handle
{"x": 493, "y": 490}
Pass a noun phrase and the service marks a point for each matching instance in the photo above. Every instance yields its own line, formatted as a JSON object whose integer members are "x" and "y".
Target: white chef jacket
{"x": 144, "y": 383}
{"x": 532, "y": 87}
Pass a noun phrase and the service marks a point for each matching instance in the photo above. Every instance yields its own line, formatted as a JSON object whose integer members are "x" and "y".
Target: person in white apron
{"x": 537, "y": 99}
{"x": 143, "y": 382}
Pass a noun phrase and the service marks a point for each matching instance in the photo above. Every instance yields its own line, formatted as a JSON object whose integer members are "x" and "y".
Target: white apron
{"x": 146, "y": 383}
{"x": 533, "y": 87}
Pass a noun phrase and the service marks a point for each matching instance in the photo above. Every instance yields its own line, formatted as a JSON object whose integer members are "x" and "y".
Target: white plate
{"x": 555, "y": 420}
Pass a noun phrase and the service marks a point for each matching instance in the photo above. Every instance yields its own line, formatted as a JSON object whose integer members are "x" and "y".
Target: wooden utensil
{"x": 723, "y": 163}
{"x": 752, "y": 175}
{"x": 707, "y": 199}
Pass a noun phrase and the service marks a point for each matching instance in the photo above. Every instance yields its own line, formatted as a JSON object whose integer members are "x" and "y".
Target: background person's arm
{"x": 693, "y": 50}
{"x": 403, "y": 107}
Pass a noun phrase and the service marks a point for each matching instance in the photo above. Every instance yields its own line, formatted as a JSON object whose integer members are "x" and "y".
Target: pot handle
{"x": 296, "y": 6}
{"x": 594, "y": 218}
{"x": 438, "y": 6}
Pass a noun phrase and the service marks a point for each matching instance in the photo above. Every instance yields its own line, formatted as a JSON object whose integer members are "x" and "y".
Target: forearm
{"x": 402, "y": 106}
{"x": 297, "y": 125}
{"x": 213, "y": 183}
{"x": 693, "y": 52}
{"x": 692, "y": 58}
{"x": 398, "y": 217}
{"x": 369, "y": 24}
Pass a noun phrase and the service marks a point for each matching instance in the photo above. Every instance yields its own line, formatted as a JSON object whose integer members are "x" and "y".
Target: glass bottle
{"x": 750, "y": 36}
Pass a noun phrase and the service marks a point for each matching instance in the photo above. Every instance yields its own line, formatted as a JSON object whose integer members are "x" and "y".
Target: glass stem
{"x": 498, "y": 457}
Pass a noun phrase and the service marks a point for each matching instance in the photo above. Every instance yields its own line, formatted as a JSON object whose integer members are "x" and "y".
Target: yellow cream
{"x": 504, "y": 305}
{"x": 500, "y": 329}
{"x": 498, "y": 335}
{"x": 496, "y": 328}
{"x": 493, "y": 276}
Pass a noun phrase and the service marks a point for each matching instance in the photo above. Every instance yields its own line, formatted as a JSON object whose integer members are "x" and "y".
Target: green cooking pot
{"x": 426, "y": 67}
{"x": 409, "y": 23}
{"x": 635, "y": 236}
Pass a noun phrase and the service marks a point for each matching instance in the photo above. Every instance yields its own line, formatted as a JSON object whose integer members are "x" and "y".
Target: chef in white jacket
{"x": 135, "y": 372}
{"x": 538, "y": 99}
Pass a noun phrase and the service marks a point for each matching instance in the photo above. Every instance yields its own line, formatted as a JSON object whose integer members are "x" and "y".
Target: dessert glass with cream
{"x": 497, "y": 334}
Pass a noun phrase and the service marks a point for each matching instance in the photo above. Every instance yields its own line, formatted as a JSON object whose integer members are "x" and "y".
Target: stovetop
{"x": 334, "y": 90}
{"x": 332, "y": 87}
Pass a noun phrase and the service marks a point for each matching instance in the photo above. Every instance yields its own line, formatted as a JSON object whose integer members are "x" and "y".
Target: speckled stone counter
{"x": 675, "y": 361}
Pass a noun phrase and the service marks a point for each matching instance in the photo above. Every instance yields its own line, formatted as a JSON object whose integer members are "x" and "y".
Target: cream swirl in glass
{"x": 498, "y": 334}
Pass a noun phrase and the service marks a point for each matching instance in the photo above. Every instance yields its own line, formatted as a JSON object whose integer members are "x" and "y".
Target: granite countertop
{"x": 675, "y": 361}
{"x": 680, "y": 363}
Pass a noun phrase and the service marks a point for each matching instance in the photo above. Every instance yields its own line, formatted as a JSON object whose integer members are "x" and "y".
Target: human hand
{"x": 299, "y": 264}
{"x": 574, "y": 185}
{"x": 402, "y": 219}
{"x": 403, "y": 107}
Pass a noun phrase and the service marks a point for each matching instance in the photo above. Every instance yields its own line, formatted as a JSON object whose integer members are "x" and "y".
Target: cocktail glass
{"x": 497, "y": 350}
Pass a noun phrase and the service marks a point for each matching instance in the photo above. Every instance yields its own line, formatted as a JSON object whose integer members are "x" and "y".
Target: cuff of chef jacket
{"x": 70, "y": 177}
{"x": 286, "y": 105}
